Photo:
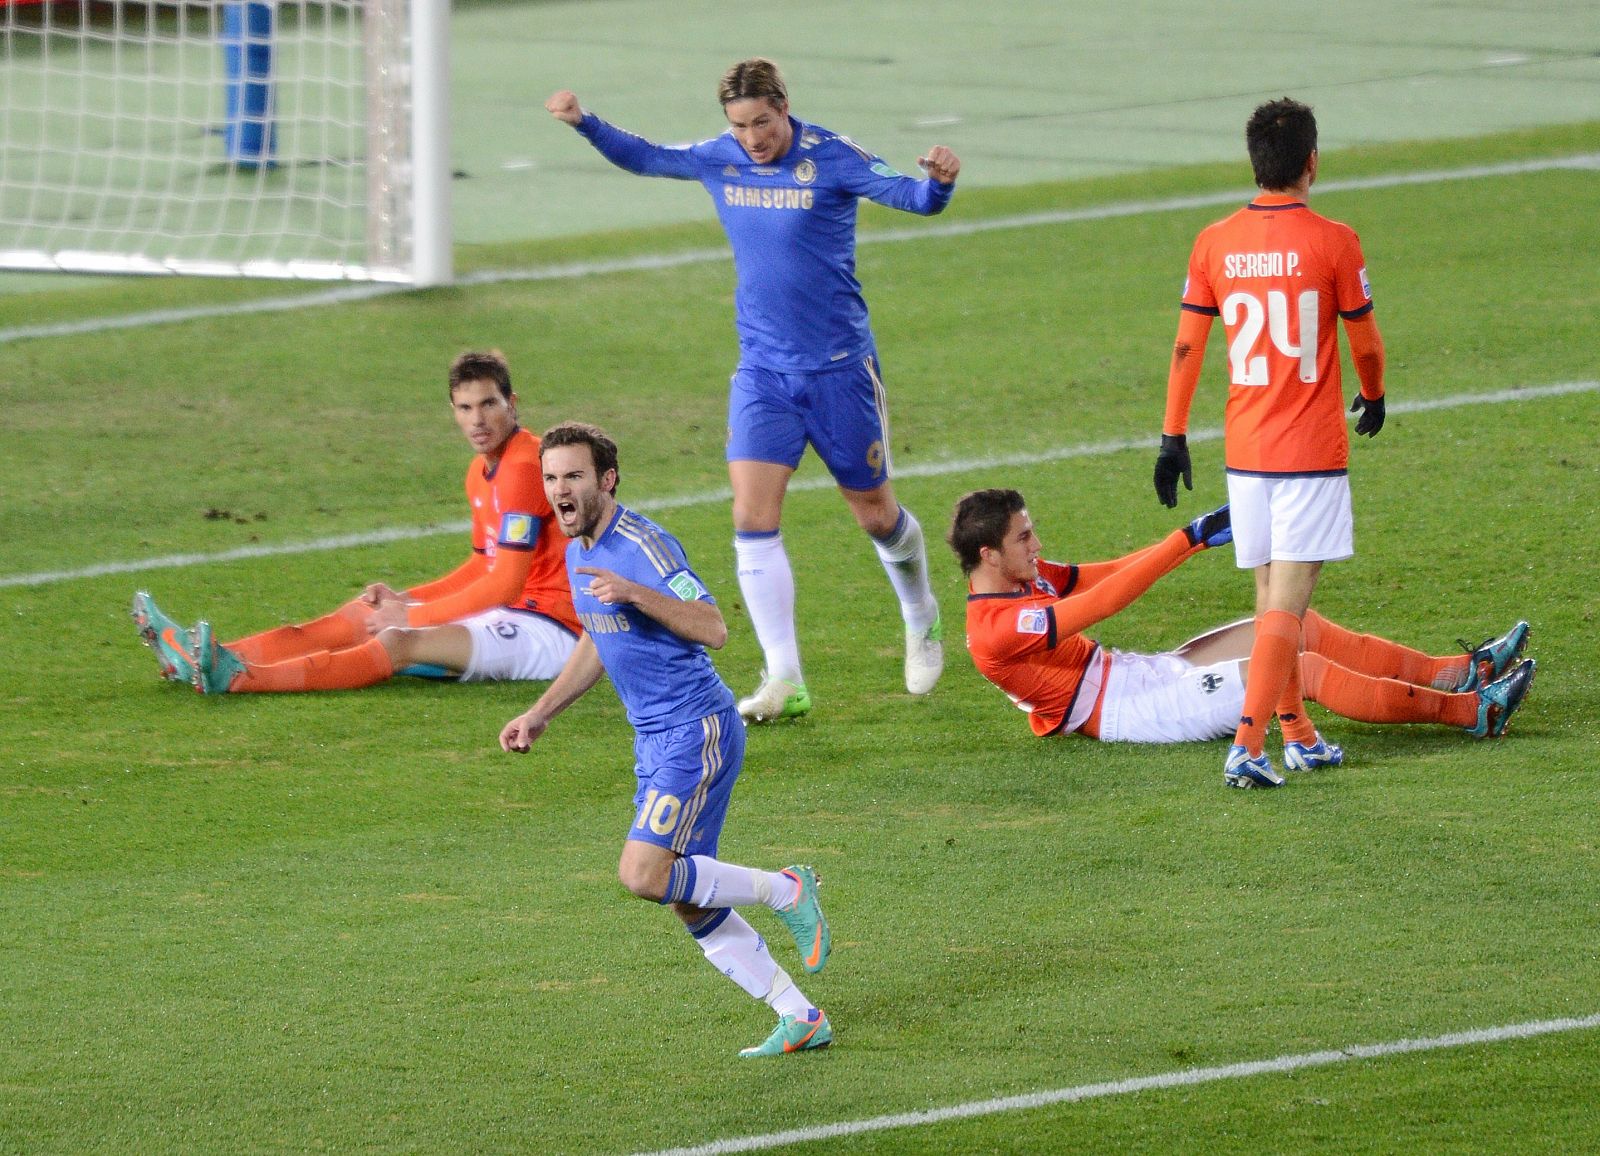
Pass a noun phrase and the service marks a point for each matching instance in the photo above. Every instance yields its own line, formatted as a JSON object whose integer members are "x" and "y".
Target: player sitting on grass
{"x": 504, "y": 613}
{"x": 1025, "y": 617}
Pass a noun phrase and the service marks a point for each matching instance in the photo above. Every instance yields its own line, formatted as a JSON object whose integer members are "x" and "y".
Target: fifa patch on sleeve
{"x": 686, "y": 586}
{"x": 1366, "y": 286}
{"x": 518, "y": 529}
{"x": 1034, "y": 620}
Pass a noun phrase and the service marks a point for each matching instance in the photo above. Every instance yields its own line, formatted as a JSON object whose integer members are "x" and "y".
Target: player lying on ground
{"x": 504, "y": 613}
{"x": 1025, "y": 617}
{"x": 786, "y": 192}
{"x": 648, "y": 620}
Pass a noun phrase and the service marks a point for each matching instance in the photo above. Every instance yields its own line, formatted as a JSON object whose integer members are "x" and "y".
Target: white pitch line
{"x": 934, "y": 469}
{"x": 1184, "y": 1078}
{"x": 723, "y": 494}
{"x": 649, "y": 261}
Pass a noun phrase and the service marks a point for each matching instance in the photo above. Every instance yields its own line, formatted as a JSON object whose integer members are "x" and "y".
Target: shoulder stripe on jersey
{"x": 1354, "y": 313}
{"x": 1207, "y": 310}
{"x": 636, "y": 530}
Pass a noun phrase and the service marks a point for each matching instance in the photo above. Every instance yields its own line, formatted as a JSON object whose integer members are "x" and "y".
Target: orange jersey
{"x": 1280, "y": 276}
{"x": 1030, "y": 643}
{"x": 519, "y": 556}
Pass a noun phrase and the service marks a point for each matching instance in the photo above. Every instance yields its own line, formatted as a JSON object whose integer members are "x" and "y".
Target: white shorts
{"x": 1290, "y": 519}
{"x": 510, "y": 645}
{"x": 1161, "y": 698}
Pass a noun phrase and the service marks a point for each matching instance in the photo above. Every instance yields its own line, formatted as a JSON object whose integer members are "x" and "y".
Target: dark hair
{"x": 753, "y": 79}
{"x": 602, "y": 450}
{"x": 1281, "y": 136}
{"x": 487, "y": 366}
{"x": 981, "y": 519}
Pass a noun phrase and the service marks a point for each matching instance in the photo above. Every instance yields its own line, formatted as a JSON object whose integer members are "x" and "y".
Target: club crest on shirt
{"x": 1033, "y": 620}
{"x": 805, "y": 172}
{"x": 686, "y": 586}
{"x": 517, "y": 530}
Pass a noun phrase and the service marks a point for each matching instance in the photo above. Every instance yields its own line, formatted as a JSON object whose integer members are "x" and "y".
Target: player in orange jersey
{"x": 1025, "y": 619}
{"x": 504, "y": 613}
{"x": 1279, "y": 276}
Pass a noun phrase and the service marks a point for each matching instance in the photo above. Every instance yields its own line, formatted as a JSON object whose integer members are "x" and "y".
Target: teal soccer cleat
{"x": 794, "y": 1034}
{"x": 215, "y": 666}
{"x": 1493, "y": 656}
{"x": 172, "y": 643}
{"x": 1499, "y": 700}
{"x": 805, "y": 920}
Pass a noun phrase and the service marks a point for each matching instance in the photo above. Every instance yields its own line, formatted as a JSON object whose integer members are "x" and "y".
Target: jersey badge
{"x": 1048, "y": 587}
{"x": 883, "y": 170}
{"x": 686, "y": 586}
{"x": 1033, "y": 620}
{"x": 518, "y": 529}
{"x": 805, "y": 172}
{"x": 1366, "y": 286}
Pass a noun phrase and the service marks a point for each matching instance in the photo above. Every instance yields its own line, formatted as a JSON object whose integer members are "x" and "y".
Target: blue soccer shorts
{"x": 843, "y": 413}
{"x": 686, "y": 775}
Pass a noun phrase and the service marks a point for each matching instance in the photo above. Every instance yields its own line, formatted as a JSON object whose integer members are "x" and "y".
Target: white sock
{"x": 767, "y": 583}
{"x": 714, "y": 883}
{"x": 905, "y": 560}
{"x": 786, "y": 999}
{"x": 733, "y": 948}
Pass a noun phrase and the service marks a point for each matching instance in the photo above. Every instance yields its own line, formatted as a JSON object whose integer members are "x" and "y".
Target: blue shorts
{"x": 686, "y": 775}
{"x": 842, "y": 412}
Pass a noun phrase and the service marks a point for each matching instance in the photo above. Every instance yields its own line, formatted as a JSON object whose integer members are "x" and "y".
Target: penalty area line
{"x": 1187, "y": 1077}
{"x": 933, "y": 469}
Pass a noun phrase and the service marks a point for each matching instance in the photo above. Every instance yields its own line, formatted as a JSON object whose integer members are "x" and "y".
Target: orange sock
{"x": 1272, "y": 658}
{"x": 347, "y": 669}
{"x": 1381, "y": 658}
{"x": 1382, "y": 700}
{"x": 346, "y": 626}
{"x": 1292, "y": 720}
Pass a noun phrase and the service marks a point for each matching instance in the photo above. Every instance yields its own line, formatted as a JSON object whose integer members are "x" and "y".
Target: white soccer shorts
{"x": 513, "y": 645}
{"x": 1290, "y": 519}
{"x": 1161, "y": 698}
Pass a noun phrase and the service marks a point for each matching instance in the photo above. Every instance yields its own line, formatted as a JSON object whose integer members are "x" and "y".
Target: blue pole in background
{"x": 251, "y": 137}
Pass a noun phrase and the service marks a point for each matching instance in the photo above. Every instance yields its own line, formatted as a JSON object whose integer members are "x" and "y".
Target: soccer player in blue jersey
{"x": 647, "y": 622}
{"x": 787, "y": 194}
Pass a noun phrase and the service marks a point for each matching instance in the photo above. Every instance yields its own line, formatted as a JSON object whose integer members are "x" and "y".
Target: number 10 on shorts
{"x": 659, "y": 811}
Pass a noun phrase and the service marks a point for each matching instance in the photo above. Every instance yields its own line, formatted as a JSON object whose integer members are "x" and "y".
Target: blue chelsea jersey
{"x": 663, "y": 680}
{"x": 792, "y": 227}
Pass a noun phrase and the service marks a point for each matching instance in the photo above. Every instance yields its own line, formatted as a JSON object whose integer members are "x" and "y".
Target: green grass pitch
{"x": 348, "y": 922}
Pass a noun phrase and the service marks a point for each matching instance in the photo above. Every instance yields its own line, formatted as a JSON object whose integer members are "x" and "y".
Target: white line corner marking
{"x": 1179, "y": 1079}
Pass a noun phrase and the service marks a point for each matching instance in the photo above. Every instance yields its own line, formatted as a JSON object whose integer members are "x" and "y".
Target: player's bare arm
{"x": 941, "y": 164}
{"x": 582, "y": 670}
{"x": 564, "y": 107}
{"x": 696, "y": 621}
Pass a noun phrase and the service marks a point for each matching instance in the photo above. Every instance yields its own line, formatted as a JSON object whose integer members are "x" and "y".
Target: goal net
{"x": 296, "y": 139}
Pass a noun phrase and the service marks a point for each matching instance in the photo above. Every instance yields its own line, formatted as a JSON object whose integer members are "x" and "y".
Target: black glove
{"x": 1371, "y": 419}
{"x": 1171, "y": 461}
{"x": 1213, "y": 529}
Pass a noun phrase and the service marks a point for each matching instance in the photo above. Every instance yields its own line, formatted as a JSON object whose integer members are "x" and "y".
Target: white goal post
{"x": 293, "y": 139}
